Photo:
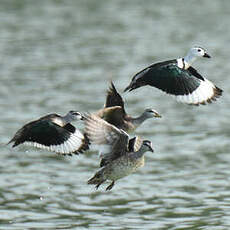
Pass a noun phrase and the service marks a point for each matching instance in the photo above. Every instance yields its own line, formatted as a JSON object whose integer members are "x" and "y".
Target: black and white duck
{"x": 177, "y": 77}
{"x": 54, "y": 133}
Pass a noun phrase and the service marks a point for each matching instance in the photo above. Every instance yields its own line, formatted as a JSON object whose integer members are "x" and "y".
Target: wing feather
{"x": 102, "y": 133}
{"x": 47, "y": 135}
{"x": 113, "y": 98}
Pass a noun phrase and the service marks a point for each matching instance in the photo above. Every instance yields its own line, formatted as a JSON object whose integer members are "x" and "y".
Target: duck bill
{"x": 157, "y": 115}
{"x": 151, "y": 149}
{"x": 207, "y": 55}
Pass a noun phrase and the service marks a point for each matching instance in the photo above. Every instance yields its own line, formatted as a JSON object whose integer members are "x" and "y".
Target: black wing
{"x": 186, "y": 84}
{"x": 48, "y": 135}
{"x": 195, "y": 73}
{"x": 168, "y": 77}
{"x": 43, "y": 132}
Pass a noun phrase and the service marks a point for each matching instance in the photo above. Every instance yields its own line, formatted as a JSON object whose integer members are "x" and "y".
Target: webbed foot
{"x": 98, "y": 185}
{"x": 110, "y": 186}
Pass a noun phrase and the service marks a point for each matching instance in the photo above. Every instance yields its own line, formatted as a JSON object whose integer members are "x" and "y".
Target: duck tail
{"x": 217, "y": 92}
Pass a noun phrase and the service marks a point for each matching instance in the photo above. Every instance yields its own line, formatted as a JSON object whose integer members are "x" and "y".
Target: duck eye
{"x": 199, "y": 50}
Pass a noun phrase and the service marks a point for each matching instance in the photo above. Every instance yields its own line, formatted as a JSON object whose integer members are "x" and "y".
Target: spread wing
{"x": 168, "y": 77}
{"x": 106, "y": 135}
{"x": 50, "y": 136}
{"x": 113, "y": 98}
{"x": 186, "y": 84}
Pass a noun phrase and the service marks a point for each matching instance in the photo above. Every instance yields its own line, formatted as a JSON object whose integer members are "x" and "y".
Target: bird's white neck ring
{"x": 182, "y": 64}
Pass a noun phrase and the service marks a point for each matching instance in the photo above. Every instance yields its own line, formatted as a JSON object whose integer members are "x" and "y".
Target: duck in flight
{"x": 177, "y": 77}
{"x": 125, "y": 155}
{"x": 114, "y": 112}
{"x": 54, "y": 133}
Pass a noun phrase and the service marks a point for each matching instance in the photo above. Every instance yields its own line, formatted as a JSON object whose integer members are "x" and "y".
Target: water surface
{"x": 60, "y": 55}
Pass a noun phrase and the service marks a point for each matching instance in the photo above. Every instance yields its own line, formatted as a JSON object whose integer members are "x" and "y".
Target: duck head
{"x": 149, "y": 113}
{"x": 147, "y": 146}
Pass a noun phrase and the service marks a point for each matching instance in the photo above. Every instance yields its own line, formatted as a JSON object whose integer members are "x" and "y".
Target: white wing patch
{"x": 71, "y": 145}
{"x": 204, "y": 93}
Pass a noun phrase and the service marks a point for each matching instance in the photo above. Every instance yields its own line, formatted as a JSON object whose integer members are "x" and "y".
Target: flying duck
{"x": 114, "y": 112}
{"x": 54, "y": 133}
{"x": 177, "y": 77}
{"x": 125, "y": 155}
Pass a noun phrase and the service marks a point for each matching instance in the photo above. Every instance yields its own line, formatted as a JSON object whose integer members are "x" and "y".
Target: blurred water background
{"x": 57, "y": 56}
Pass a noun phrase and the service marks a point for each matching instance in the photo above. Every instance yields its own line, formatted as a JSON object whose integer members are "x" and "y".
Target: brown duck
{"x": 114, "y": 112}
{"x": 124, "y": 155}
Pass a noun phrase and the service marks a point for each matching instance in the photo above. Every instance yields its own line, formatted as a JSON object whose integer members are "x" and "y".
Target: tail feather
{"x": 217, "y": 92}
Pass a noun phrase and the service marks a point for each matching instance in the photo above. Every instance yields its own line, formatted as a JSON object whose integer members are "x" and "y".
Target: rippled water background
{"x": 60, "y": 55}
